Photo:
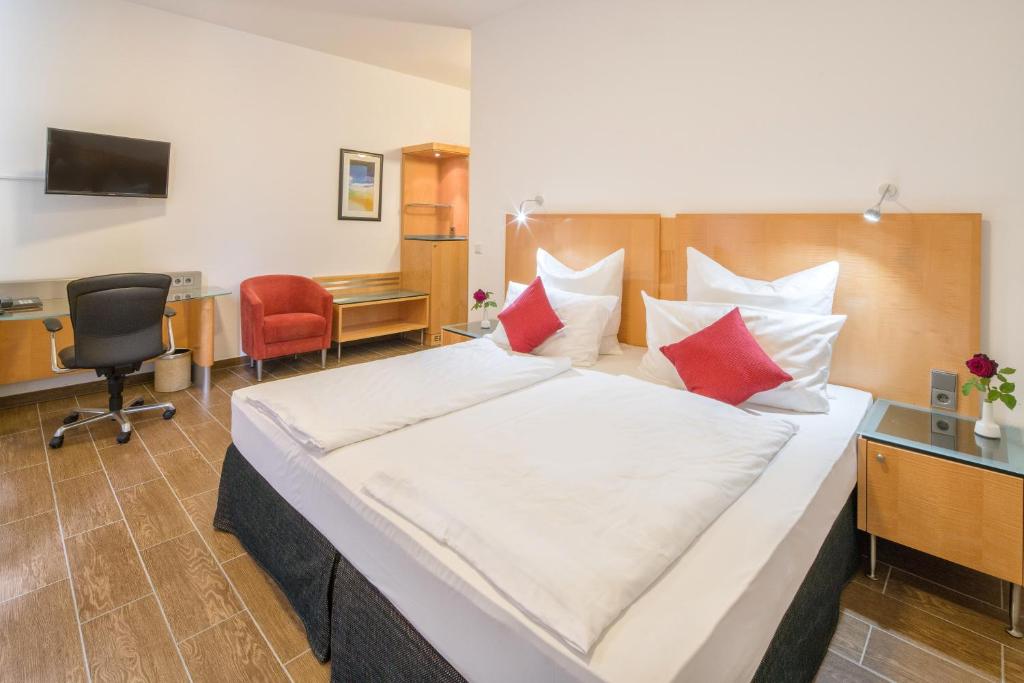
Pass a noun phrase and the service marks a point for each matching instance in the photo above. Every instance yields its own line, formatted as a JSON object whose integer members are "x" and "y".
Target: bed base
{"x": 367, "y": 639}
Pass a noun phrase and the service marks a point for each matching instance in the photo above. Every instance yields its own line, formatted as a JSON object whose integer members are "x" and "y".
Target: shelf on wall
{"x": 427, "y": 205}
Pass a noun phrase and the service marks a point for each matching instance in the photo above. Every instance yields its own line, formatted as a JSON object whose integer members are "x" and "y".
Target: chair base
{"x": 121, "y": 416}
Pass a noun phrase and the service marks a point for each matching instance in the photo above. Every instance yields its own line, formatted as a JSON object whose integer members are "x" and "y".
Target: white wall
{"x": 255, "y": 126}
{"x": 730, "y": 105}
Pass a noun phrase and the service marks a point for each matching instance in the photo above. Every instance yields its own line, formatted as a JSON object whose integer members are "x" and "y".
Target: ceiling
{"x": 427, "y": 38}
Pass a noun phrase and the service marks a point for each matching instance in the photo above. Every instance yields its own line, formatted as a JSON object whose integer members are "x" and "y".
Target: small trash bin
{"x": 174, "y": 372}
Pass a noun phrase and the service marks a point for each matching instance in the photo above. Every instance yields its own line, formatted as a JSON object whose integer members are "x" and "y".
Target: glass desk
{"x": 25, "y": 343}
{"x": 58, "y": 307}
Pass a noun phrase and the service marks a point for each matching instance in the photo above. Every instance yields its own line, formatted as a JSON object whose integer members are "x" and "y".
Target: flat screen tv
{"x": 106, "y": 165}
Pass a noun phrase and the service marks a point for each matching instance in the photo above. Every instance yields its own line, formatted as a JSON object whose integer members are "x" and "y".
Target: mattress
{"x": 709, "y": 617}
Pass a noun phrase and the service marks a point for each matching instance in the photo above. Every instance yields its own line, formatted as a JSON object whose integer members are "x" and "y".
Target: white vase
{"x": 485, "y": 323}
{"x": 987, "y": 426}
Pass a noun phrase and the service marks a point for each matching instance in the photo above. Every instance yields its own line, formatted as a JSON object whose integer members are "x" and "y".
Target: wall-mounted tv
{"x": 106, "y": 165}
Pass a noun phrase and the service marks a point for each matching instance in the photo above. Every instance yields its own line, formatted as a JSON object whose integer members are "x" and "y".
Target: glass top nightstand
{"x": 943, "y": 434}
{"x": 471, "y": 330}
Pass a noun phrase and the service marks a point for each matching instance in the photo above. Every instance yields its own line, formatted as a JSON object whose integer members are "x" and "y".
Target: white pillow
{"x": 809, "y": 291}
{"x": 799, "y": 343}
{"x": 584, "y": 318}
{"x": 603, "y": 278}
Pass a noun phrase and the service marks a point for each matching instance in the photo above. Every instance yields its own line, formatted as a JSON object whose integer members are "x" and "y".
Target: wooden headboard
{"x": 579, "y": 240}
{"x": 910, "y": 285}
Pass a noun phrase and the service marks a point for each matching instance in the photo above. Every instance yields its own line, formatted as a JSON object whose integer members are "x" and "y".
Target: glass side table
{"x": 467, "y": 330}
{"x": 927, "y": 481}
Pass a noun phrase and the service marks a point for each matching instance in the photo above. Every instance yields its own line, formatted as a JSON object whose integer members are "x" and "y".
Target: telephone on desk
{"x": 24, "y": 304}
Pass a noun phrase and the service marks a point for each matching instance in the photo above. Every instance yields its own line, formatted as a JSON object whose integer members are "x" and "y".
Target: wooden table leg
{"x": 202, "y": 355}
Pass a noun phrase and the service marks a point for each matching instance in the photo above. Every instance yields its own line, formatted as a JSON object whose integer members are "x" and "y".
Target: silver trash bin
{"x": 174, "y": 371}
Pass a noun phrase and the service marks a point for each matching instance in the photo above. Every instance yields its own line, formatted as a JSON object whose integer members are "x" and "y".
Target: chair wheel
{"x": 73, "y": 417}
{"x": 169, "y": 413}
{"x": 57, "y": 442}
{"x": 137, "y": 402}
{"x": 124, "y": 437}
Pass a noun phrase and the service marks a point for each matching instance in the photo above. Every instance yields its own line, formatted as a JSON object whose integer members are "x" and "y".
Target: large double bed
{"x": 754, "y": 595}
{"x": 722, "y": 601}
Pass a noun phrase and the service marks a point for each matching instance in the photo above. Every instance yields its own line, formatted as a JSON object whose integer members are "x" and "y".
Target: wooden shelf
{"x": 427, "y": 205}
{"x": 378, "y": 328}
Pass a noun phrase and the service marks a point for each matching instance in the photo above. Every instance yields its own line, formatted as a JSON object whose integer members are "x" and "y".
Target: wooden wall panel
{"x": 910, "y": 285}
{"x": 453, "y": 189}
{"x": 579, "y": 240}
{"x": 420, "y": 180}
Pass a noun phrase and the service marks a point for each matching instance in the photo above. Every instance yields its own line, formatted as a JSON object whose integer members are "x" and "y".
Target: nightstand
{"x": 460, "y": 332}
{"x": 926, "y": 481}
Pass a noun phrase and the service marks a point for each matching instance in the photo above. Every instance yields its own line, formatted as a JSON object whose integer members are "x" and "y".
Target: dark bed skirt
{"x": 281, "y": 541}
{"x": 367, "y": 639}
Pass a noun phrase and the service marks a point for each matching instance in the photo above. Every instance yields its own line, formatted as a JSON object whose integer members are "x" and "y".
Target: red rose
{"x": 480, "y": 296}
{"x": 982, "y": 366}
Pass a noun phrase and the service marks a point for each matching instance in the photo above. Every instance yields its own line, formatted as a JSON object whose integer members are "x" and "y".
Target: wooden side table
{"x": 925, "y": 480}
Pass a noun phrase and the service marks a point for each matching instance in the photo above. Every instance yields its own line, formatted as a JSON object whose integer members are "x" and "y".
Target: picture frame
{"x": 360, "y": 176}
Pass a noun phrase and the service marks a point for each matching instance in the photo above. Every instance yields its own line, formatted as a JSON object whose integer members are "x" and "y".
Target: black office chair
{"x": 116, "y": 320}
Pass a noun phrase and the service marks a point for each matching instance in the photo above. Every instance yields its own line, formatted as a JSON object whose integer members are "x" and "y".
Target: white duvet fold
{"x": 583, "y": 491}
{"x": 328, "y": 410}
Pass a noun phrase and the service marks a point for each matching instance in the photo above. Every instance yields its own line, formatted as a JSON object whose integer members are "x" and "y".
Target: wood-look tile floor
{"x": 110, "y": 568}
{"x": 924, "y": 619}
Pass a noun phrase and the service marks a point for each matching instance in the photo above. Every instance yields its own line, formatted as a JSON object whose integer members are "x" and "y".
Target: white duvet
{"x": 327, "y": 410}
{"x": 582, "y": 491}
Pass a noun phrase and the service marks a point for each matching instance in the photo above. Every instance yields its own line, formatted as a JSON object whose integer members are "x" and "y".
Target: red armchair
{"x": 283, "y": 315}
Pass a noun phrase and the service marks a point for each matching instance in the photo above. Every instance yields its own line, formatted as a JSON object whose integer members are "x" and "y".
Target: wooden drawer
{"x": 965, "y": 514}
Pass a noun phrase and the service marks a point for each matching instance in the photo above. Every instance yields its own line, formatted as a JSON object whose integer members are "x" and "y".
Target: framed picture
{"x": 360, "y": 181}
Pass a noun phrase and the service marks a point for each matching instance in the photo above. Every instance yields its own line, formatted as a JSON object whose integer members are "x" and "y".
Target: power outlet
{"x": 944, "y": 390}
{"x": 186, "y": 279}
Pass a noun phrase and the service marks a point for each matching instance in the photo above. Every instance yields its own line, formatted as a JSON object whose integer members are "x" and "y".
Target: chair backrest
{"x": 117, "y": 319}
{"x": 285, "y": 293}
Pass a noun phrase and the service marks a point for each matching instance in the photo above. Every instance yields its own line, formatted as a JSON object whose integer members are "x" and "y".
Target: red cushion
{"x": 724, "y": 361}
{"x": 288, "y": 326}
{"x": 530, "y": 320}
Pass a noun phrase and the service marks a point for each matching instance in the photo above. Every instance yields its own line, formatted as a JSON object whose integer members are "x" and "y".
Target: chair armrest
{"x": 53, "y": 326}
{"x": 168, "y": 314}
{"x": 326, "y": 303}
{"x": 252, "y": 311}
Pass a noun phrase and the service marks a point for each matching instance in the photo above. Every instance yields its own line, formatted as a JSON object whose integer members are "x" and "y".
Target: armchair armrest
{"x": 53, "y": 326}
{"x": 252, "y": 310}
{"x": 327, "y": 306}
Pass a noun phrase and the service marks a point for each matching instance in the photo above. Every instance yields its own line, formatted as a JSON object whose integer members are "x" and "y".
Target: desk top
{"x": 55, "y": 300}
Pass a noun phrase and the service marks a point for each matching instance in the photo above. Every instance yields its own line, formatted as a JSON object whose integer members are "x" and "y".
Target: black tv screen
{"x": 108, "y": 165}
